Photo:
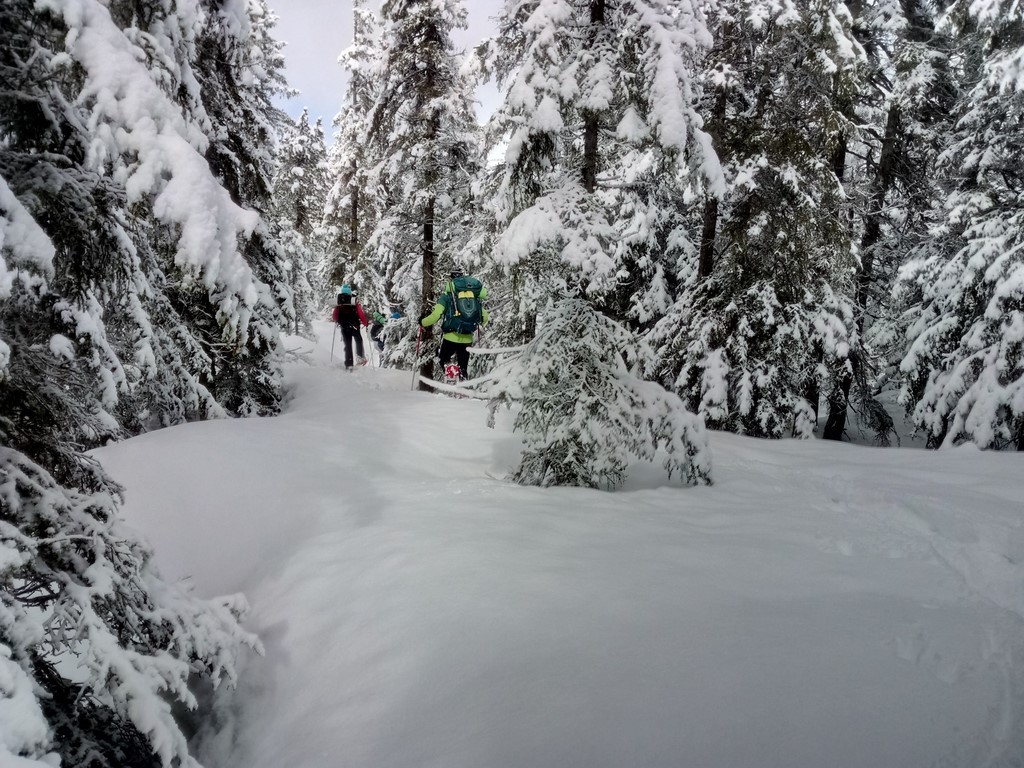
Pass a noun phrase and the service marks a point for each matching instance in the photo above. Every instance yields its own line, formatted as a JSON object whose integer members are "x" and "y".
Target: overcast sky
{"x": 316, "y": 31}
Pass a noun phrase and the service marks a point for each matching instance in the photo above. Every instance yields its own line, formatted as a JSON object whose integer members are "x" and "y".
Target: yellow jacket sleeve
{"x": 433, "y": 317}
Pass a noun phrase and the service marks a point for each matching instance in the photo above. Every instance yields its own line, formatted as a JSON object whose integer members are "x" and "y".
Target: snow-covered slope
{"x": 820, "y": 605}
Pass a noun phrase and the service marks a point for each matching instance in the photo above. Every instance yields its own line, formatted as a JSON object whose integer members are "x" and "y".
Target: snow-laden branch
{"x": 144, "y": 138}
{"x": 92, "y": 596}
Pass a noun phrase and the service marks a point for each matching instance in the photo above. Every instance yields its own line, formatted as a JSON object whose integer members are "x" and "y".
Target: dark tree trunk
{"x": 430, "y": 179}
{"x": 838, "y": 397}
{"x": 707, "y": 238}
{"x": 590, "y": 131}
{"x": 529, "y": 327}
{"x": 839, "y": 401}
{"x": 301, "y": 218}
{"x": 353, "y": 220}
{"x": 706, "y": 264}
{"x": 352, "y": 247}
{"x": 427, "y": 288}
{"x": 813, "y": 396}
{"x": 429, "y": 266}
{"x": 591, "y": 120}
{"x": 873, "y": 222}
{"x": 935, "y": 441}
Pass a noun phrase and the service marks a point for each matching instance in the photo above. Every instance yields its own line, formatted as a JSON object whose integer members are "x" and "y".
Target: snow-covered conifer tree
{"x": 423, "y": 128}
{"x": 94, "y": 645}
{"x": 300, "y": 193}
{"x": 105, "y": 260}
{"x": 239, "y": 67}
{"x": 904, "y": 103}
{"x": 603, "y": 145}
{"x": 107, "y": 206}
{"x": 351, "y": 208}
{"x": 964, "y": 370}
{"x": 768, "y": 322}
{"x": 177, "y": 302}
{"x": 583, "y": 412}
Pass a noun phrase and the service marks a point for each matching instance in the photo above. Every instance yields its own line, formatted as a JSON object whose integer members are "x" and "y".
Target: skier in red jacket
{"x": 348, "y": 314}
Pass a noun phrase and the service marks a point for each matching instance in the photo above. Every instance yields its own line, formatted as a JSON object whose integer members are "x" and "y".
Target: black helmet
{"x": 458, "y": 270}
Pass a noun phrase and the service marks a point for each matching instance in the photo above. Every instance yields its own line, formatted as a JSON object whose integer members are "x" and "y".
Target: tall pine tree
{"x": 301, "y": 185}
{"x": 964, "y": 370}
{"x": 239, "y": 67}
{"x": 602, "y": 145}
{"x": 352, "y": 206}
{"x": 767, "y": 321}
{"x": 904, "y": 106}
{"x": 424, "y": 132}
{"x": 109, "y": 214}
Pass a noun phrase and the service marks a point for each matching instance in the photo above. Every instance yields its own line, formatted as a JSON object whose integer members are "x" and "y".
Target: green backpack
{"x": 463, "y": 310}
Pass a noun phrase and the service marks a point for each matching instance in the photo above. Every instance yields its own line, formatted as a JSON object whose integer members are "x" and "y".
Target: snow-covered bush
{"x": 584, "y": 414}
{"x": 107, "y": 646}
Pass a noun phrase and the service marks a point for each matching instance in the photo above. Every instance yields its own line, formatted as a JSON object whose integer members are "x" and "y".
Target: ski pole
{"x": 416, "y": 359}
{"x": 369, "y": 346}
{"x": 333, "y": 337}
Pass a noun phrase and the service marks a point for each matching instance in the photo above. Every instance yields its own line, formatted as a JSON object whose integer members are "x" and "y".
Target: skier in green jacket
{"x": 461, "y": 305}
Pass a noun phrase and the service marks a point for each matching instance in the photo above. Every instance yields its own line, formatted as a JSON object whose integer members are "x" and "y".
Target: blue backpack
{"x": 463, "y": 310}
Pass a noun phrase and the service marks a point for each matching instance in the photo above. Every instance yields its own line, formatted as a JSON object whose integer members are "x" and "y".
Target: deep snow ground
{"x": 820, "y": 605}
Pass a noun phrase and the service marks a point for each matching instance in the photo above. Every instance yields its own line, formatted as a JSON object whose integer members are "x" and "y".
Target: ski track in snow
{"x": 820, "y": 605}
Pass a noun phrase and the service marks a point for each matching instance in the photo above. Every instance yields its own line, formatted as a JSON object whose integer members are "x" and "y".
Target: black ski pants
{"x": 461, "y": 352}
{"x": 348, "y": 333}
{"x": 375, "y": 331}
